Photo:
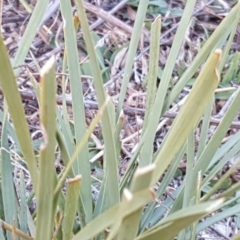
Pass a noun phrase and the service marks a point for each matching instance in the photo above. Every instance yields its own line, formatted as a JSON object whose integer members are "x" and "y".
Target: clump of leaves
{"x": 126, "y": 207}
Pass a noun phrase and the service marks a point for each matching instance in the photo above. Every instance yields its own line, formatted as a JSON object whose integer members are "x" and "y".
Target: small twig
{"x": 14, "y": 19}
{"x": 213, "y": 121}
{"x": 107, "y": 17}
{"x": 132, "y": 111}
{"x": 112, "y": 11}
{"x": 18, "y": 232}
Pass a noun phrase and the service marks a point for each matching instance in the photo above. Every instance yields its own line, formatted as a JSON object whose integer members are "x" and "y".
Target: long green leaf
{"x": 79, "y": 146}
{"x": 7, "y": 182}
{"x": 220, "y": 181}
{"x": 151, "y": 83}
{"x": 47, "y": 181}
{"x": 23, "y": 205}
{"x": 215, "y": 141}
{"x": 204, "y": 160}
{"x": 111, "y": 195}
{"x": 130, "y": 224}
{"x": 137, "y": 29}
{"x": 204, "y": 129}
{"x": 110, "y": 216}
{"x": 72, "y": 195}
{"x": 170, "y": 226}
{"x": 148, "y": 214}
{"x": 166, "y": 77}
{"x": 82, "y": 165}
{"x": 30, "y": 32}
{"x": 194, "y": 106}
{"x": 218, "y": 217}
{"x": 16, "y": 111}
{"x": 219, "y": 166}
{"x": 11, "y": 131}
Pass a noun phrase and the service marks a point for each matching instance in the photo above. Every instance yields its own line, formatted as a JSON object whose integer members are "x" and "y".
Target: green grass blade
{"x": 31, "y": 224}
{"x": 23, "y": 205}
{"x": 219, "y": 166}
{"x": 194, "y": 106}
{"x": 82, "y": 165}
{"x": 47, "y": 178}
{"x": 64, "y": 151}
{"x": 102, "y": 202}
{"x": 130, "y": 224}
{"x": 64, "y": 123}
{"x": 1, "y": 204}
{"x": 215, "y": 141}
{"x": 166, "y": 77}
{"x": 66, "y": 132}
{"x": 137, "y": 29}
{"x": 148, "y": 213}
{"x": 220, "y": 182}
{"x": 131, "y": 166}
{"x": 7, "y": 182}
{"x": 80, "y": 146}
{"x": 153, "y": 59}
{"x": 99, "y": 205}
{"x": 123, "y": 221}
{"x": 16, "y": 111}
{"x": 11, "y": 131}
{"x": 110, "y": 216}
{"x": 171, "y": 225}
{"x": 151, "y": 80}
{"x": 30, "y": 32}
{"x": 111, "y": 195}
{"x": 218, "y": 216}
{"x": 72, "y": 195}
{"x": 230, "y": 191}
{"x": 36, "y": 87}
{"x": 117, "y": 132}
{"x": 204, "y": 161}
{"x": 204, "y": 129}
{"x": 223, "y": 150}
{"x": 227, "y": 48}
{"x": 189, "y": 183}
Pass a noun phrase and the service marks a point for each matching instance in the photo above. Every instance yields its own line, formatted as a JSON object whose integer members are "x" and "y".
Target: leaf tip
{"x": 127, "y": 195}
{"x": 215, "y": 205}
{"x": 145, "y": 170}
{"x": 75, "y": 179}
{"x": 218, "y": 52}
{"x": 47, "y": 66}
